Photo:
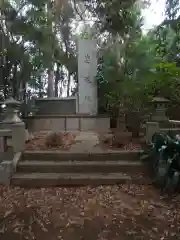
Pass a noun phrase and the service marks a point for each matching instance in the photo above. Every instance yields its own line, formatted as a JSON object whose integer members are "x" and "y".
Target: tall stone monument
{"x": 87, "y": 68}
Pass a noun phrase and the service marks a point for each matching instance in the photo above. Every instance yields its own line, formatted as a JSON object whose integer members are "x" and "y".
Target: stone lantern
{"x": 11, "y": 111}
{"x": 15, "y": 124}
{"x": 160, "y": 105}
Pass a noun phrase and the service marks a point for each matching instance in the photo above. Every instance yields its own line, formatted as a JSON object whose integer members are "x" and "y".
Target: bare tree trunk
{"x": 40, "y": 90}
{"x": 69, "y": 83}
{"x": 135, "y": 124}
{"x": 50, "y": 91}
{"x": 56, "y": 87}
{"x": 57, "y": 78}
{"x": 50, "y": 15}
{"x": 14, "y": 82}
{"x": 61, "y": 80}
{"x": 24, "y": 96}
{"x": 69, "y": 75}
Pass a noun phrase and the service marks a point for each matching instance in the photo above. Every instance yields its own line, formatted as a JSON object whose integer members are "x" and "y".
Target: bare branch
{"x": 77, "y": 11}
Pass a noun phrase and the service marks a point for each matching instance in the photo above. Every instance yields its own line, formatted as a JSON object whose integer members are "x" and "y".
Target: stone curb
{"x": 8, "y": 168}
{"x": 17, "y": 157}
{"x": 83, "y": 156}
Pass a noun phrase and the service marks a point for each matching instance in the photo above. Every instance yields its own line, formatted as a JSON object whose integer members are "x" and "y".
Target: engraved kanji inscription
{"x": 87, "y": 58}
{"x": 88, "y": 98}
{"x": 87, "y": 79}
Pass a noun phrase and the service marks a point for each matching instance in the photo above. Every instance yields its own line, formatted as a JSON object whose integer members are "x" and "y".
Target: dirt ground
{"x": 104, "y": 213}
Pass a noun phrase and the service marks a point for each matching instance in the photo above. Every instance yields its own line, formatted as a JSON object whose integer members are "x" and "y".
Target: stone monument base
{"x": 77, "y": 122}
{"x": 56, "y": 106}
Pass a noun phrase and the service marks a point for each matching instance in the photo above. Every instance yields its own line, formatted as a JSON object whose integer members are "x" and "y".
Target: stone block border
{"x": 8, "y": 168}
{"x": 68, "y": 123}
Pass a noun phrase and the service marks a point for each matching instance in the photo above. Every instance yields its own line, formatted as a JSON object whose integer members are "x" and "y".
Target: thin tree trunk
{"x": 61, "y": 80}
{"x": 50, "y": 91}
{"x": 40, "y": 90}
{"x": 69, "y": 76}
{"x": 68, "y": 85}
{"x": 14, "y": 82}
{"x": 57, "y": 78}
{"x": 24, "y": 96}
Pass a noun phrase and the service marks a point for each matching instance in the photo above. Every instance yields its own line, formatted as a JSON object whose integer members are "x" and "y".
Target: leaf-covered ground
{"x": 111, "y": 212}
{"x": 119, "y": 141}
{"x": 39, "y": 141}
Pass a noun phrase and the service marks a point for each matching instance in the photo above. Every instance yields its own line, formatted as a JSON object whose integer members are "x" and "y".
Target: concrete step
{"x": 73, "y": 179}
{"x": 97, "y": 156}
{"x": 80, "y": 166}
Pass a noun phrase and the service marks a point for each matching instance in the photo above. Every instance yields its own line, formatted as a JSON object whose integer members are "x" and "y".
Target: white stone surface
{"x": 57, "y": 124}
{"x": 88, "y": 124}
{"x": 86, "y": 142}
{"x": 87, "y": 69}
{"x": 47, "y": 124}
{"x": 72, "y": 124}
{"x": 102, "y": 124}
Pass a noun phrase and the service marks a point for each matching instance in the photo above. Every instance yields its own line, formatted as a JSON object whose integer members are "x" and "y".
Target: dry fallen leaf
{"x": 104, "y": 212}
{"x": 51, "y": 141}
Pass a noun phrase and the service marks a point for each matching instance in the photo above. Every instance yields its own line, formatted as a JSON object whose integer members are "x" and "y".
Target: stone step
{"x": 86, "y": 156}
{"x": 173, "y": 130}
{"x": 80, "y": 166}
{"x": 73, "y": 179}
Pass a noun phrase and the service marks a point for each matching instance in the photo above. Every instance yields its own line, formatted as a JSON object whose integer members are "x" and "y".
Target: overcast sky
{"x": 154, "y": 14}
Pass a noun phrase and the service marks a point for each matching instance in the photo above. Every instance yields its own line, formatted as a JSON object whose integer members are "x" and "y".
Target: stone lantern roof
{"x": 12, "y": 102}
{"x": 159, "y": 100}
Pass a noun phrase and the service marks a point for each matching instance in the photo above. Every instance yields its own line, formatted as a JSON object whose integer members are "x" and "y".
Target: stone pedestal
{"x": 159, "y": 116}
{"x": 18, "y": 136}
{"x": 56, "y": 106}
{"x": 121, "y": 122}
{"x": 151, "y": 129}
